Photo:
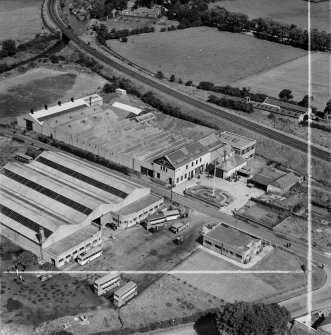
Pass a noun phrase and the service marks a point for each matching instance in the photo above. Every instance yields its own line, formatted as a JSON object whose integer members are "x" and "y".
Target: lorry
{"x": 179, "y": 226}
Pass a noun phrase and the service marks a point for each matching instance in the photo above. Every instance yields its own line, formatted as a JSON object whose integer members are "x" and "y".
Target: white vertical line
{"x": 309, "y": 170}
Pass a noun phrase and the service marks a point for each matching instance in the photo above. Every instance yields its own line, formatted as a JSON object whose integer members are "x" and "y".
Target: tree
{"x": 252, "y": 318}
{"x": 305, "y": 101}
{"x": 189, "y": 83}
{"x": 9, "y": 47}
{"x": 172, "y": 78}
{"x": 285, "y": 94}
{"x": 109, "y": 88}
{"x": 159, "y": 75}
{"x": 180, "y": 81}
{"x": 327, "y": 109}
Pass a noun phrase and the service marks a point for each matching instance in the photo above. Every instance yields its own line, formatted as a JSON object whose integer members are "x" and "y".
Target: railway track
{"x": 286, "y": 139}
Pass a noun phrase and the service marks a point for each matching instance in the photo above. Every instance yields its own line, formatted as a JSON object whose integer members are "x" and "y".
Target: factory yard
{"x": 243, "y": 286}
{"x": 188, "y": 54}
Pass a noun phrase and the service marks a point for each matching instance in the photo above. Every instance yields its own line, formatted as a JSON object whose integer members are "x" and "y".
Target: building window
{"x": 185, "y": 176}
{"x": 75, "y": 252}
{"x": 82, "y": 248}
{"x": 166, "y": 170}
{"x": 60, "y": 260}
{"x": 186, "y": 166}
{"x": 207, "y": 242}
{"x": 88, "y": 245}
{"x": 68, "y": 256}
{"x": 192, "y": 163}
{"x": 196, "y": 162}
{"x": 177, "y": 180}
{"x": 158, "y": 175}
{"x": 95, "y": 241}
{"x": 181, "y": 178}
{"x": 239, "y": 256}
{"x": 200, "y": 160}
{"x": 217, "y": 246}
{"x": 154, "y": 208}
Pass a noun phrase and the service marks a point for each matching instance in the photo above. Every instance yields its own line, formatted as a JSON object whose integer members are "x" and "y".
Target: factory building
{"x": 134, "y": 138}
{"x": 56, "y": 205}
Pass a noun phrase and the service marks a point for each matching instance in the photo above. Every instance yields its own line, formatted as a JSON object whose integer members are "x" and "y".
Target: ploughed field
{"x": 284, "y": 11}
{"x": 204, "y": 54}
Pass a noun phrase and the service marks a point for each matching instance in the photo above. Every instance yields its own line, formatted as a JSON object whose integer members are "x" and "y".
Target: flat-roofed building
{"x": 70, "y": 201}
{"x": 242, "y": 145}
{"x": 232, "y": 243}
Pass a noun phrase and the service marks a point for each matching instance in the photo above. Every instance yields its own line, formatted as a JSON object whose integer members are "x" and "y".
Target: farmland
{"x": 20, "y": 19}
{"x": 231, "y": 287}
{"x": 189, "y": 54}
{"x": 284, "y": 11}
{"x": 294, "y": 76}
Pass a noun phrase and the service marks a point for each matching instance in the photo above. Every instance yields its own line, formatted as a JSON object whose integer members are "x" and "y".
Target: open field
{"x": 189, "y": 54}
{"x": 40, "y": 86}
{"x": 285, "y": 11}
{"x": 294, "y": 76}
{"x": 20, "y": 19}
{"x": 231, "y": 287}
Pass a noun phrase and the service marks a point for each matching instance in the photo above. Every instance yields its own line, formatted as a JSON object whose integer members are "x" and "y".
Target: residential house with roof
{"x": 232, "y": 243}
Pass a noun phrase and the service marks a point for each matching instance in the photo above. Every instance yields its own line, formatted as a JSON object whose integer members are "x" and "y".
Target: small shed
{"x": 120, "y": 91}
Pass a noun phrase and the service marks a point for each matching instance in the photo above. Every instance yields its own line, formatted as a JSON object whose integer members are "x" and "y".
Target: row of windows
{"x": 223, "y": 249}
{"x": 81, "y": 249}
{"x": 196, "y": 162}
{"x": 145, "y": 214}
{"x": 247, "y": 150}
{"x": 164, "y": 169}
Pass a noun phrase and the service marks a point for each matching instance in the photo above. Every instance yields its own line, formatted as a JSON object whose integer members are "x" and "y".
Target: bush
{"x": 189, "y": 83}
{"x": 232, "y": 104}
{"x": 27, "y": 258}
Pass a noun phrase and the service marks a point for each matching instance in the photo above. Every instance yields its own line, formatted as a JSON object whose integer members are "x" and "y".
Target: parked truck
{"x": 179, "y": 226}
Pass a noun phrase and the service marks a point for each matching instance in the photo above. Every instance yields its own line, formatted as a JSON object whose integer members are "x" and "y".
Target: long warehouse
{"x": 56, "y": 205}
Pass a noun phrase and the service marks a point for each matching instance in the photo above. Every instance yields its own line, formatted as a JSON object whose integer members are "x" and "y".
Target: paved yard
{"x": 239, "y": 190}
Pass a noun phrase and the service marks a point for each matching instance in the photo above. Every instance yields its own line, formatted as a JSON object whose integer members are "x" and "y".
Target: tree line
{"x": 103, "y": 34}
{"x": 243, "y": 106}
{"x": 196, "y": 13}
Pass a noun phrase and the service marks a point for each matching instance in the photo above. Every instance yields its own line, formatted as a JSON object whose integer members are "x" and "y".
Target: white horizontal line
{"x": 161, "y": 272}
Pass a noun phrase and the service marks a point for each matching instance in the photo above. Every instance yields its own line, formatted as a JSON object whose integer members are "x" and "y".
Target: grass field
{"x": 285, "y": 11}
{"x": 39, "y": 86}
{"x": 294, "y": 76}
{"x": 220, "y": 57}
{"x": 231, "y": 287}
{"x": 20, "y": 19}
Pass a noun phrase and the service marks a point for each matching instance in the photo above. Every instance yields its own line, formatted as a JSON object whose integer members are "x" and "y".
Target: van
{"x": 179, "y": 226}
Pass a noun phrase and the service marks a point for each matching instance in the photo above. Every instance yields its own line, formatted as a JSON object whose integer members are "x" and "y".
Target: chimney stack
{"x": 42, "y": 239}
{"x": 59, "y": 103}
{"x": 90, "y": 101}
{"x": 46, "y": 107}
{"x": 72, "y": 99}
{"x": 31, "y": 110}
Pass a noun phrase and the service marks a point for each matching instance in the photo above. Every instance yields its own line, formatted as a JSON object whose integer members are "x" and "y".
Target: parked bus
{"x": 106, "y": 283}
{"x": 23, "y": 158}
{"x": 160, "y": 220}
{"x": 88, "y": 256}
{"x": 125, "y": 293}
{"x": 179, "y": 226}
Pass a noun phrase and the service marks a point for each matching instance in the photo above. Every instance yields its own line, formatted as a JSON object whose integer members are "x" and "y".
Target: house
{"x": 243, "y": 146}
{"x": 228, "y": 167}
{"x": 232, "y": 243}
